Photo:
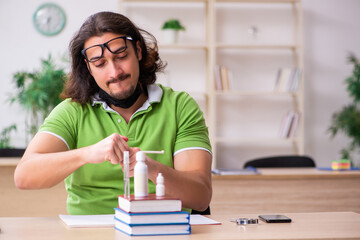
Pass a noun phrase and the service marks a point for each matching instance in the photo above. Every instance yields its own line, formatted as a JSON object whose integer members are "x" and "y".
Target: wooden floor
{"x": 246, "y": 194}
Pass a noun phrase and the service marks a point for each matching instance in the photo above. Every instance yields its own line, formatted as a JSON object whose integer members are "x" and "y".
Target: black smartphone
{"x": 275, "y": 218}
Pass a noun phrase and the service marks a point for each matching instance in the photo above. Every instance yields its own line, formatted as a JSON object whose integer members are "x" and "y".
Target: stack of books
{"x": 151, "y": 215}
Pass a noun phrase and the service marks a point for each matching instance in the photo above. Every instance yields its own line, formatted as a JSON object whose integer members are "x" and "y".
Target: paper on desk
{"x": 197, "y": 219}
{"x": 107, "y": 220}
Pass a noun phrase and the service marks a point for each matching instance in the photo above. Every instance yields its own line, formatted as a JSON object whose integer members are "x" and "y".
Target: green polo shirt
{"x": 168, "y": 120}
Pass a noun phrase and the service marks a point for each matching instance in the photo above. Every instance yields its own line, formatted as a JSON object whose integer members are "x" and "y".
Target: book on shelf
{"x": 285, "y": 125}
{"x": 223, "y": 78}
{"x": 287, "y": 80}
{"x": 289, "y": 124}
{"x": 152, "y": 217}
{"x": 151, "y": 203}
{"x": 152, "y": 229}
{"x": 218, "y": 82}
{"x": 294, "y": 83}
{"x": 294, "y": 125}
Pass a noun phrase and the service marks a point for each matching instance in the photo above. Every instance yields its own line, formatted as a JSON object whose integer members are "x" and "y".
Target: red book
{"x": 151, "y": 203}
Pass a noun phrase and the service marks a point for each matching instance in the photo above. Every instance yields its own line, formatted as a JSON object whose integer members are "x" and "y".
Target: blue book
{"x": 152, "y": 229}
{"x": 152, "y": 217}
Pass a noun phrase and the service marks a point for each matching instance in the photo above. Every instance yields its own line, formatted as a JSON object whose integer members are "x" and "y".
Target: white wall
{"x": 331, "y": 29}
{"x": 22, "y": 47}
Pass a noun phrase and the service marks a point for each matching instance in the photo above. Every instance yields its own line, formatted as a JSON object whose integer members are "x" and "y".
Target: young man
{"x": 113, "y": 105}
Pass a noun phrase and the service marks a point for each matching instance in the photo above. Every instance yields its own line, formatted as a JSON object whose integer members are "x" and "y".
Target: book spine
{"x": 218, "y": 83}
{"x": 294, "y": 125}
{"x": 225, "y": 78}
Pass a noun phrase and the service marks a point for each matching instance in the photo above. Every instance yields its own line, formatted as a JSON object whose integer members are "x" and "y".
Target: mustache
{"x": 118, "y": 78}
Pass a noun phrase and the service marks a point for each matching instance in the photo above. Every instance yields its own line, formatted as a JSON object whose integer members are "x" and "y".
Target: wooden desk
{"x": 330, "y": 225}
{"x": 287, "y": 190}
{"x": 9, "y": 161}
{"x": 29, "y": 203}
{"x": 275, "y": 190}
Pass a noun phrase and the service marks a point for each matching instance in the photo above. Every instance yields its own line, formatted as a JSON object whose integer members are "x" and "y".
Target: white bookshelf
{"x": 244, "y": 120}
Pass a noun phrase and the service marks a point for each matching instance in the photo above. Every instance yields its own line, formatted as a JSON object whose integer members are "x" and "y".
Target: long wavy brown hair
{"x": 80, "y": 85}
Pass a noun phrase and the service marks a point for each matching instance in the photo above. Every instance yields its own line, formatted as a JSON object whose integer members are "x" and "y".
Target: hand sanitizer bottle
{"x": 140, "y": 176}
{"x": 160, "y": 187}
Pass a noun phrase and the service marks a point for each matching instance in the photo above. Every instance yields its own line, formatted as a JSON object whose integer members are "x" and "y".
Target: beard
{"x": 125, "y": 99}
{"x": 124, "y": 94}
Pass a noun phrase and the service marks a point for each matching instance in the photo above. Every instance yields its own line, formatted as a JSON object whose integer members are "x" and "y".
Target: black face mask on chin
{"x": 123, "y": 103}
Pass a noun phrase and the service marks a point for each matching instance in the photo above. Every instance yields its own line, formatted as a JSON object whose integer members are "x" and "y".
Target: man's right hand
{"x": 47, "y": 160}
{"x": 109, "y": 149}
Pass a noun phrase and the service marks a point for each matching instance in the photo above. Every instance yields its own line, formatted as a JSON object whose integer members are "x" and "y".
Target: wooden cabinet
{"x": 252, "y": 39}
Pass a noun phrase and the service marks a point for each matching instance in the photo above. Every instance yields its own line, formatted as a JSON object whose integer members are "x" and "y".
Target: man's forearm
{"x": 44, "y": 170}
{"x": 192, "y": 187}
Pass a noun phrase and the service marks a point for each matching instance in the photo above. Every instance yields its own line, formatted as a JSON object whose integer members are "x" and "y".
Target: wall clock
{"x": 49, "y": 19}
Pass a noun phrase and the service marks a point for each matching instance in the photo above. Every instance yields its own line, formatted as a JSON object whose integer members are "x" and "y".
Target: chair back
{"x": 288, "y": 161}
{"x": 205, "y": 212}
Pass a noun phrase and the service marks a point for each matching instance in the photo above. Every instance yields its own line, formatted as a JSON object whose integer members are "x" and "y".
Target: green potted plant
{"x": 6, "y": 150}
{"x": 38, "y": 92}
{"x": 171, "y": 30}
{"x": 347, "y": 120}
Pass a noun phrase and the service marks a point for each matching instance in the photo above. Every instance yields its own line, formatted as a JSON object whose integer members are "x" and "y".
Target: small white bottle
{"x": 160, "y": 187}
{"x": 140, "y": 176}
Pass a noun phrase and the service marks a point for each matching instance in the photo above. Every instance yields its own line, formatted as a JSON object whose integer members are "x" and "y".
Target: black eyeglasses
{"x": 115, "y": 45}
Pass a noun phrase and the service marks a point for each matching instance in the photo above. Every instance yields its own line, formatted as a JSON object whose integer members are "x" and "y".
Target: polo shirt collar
{"x": 154, "y": 91}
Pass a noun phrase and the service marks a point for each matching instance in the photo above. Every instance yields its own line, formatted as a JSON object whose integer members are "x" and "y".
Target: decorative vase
{"x": 170, "y": 36}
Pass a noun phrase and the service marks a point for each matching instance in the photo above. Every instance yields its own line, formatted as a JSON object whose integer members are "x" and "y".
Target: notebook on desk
{"x": 107, "y": 220}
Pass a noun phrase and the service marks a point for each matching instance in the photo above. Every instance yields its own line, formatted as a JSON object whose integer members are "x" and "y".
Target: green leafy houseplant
{"x": 5, "y": 136}
{"x": 173, "y": 24}
{"x": 39, "y": 92}
{"x": 6, "y": 150}
{"x": 347, "y": 119}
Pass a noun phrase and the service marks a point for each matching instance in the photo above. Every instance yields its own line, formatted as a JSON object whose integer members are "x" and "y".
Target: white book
{"x": 151, "y": 203}
{"x": 294, "y": 125}
{"x": 285, "y": 128}
{"x": 282, "y": 79}
{"x": 295, "y": 81}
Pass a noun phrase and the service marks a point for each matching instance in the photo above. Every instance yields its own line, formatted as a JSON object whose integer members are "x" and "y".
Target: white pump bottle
{"x": 140, "y": 176}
